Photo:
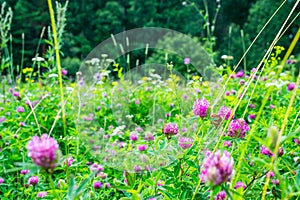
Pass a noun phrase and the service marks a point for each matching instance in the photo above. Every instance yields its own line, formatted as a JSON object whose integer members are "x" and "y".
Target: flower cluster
{"x": 200, "y": 107}
{"x": 185, "y": 142}
{"x": 43, "y": 151}
{"x": 33, "y": 180}
{"x": 217, "y": 168}
{"x": 240, "y": 184}
{"x": 221, "y": 195}
{"x": 264, "y": 150}
{"x": 238, "y": 128}
{"x": 170, "y": 129}
{"x": 225, "y": 112}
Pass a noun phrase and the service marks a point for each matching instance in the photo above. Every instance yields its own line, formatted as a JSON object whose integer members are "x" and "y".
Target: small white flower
{"x": 38, "y": 59}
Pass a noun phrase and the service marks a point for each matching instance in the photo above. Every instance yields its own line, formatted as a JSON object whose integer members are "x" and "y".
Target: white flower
{"x": 38, "y": 59}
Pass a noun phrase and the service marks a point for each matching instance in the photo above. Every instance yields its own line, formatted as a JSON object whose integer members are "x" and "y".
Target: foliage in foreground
{"x": 72, "y": 168}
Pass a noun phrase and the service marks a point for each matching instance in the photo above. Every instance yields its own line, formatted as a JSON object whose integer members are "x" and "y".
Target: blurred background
{"x": 223, "y": 27}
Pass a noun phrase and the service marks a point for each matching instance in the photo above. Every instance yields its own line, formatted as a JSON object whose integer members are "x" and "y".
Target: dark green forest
{"x": 232, "y": 25}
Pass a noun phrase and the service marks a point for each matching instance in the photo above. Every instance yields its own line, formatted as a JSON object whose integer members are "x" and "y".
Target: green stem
{"x": 53, "y": 187}
{"x": 285, "y": 120}
{"x": 211, "y": 194}
{"x": 58, "y": 65}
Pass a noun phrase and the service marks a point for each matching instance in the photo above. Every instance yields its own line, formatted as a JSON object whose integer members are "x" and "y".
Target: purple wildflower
{"x": 102, "y": 175}
{"x": 119, "y": 105}
{"x": 264, "y": 150}
{"x": 42, "y": 194}
{"x": 227, "y": 144}
{"x": 16, "y": 94}
{"x": 275, "y": 182}
{"x": 2, "y": 119}
{"x": 296, "y": 141}
{"x": 240, "y": 184}
{"x": 221, "y": 195}
{"x": 142, "y": 147}
{"x": 137, "y": 168}
{"x": 106, "y": 185}
{"x": 97, "y": 76}
{"x": 139, "y": 129}
{"x": 200, "y": 107}
{"x": 272, "y": 106}
{"x": 149, "y": 136}
{"x": 183, "y": 129}
{"x": 270, "y": 174}
{"x": 185, "y": 142}
{"x": 1, "y": 180}
{"x": 227, "y": 93}
{"x": 33, "y": 180}
{"x": 25, "y": 171}
{"x": 225, "y": 112}
{"x": 280, "y": 151}
{"x": 20, "y": 109}
{"x": 22, "y": 124}
{"x": 64, "y": 72}
{"x": 252, "y": 106}
{"x": 170, "y": 129}
{"x": 97, "y": 185}
{"x": 187, "y": 61}
{"x": 133, "y": 137}
{"x": 239, "y": 74}
{"x": 238, "y": 128}
{"x": 160, "y": 183}
{"x": 217, "y": 168}
{"x": 252, "y": 116}
{"x": 81, "y": 83}
{"x": 96, "y": 167}
{"x": 168, "y": 114}
{"x": 137, "y": 102}
{"x": 43, "y": 151}
{"x": 291, "y": 86}
{"x": 70, "y": 160}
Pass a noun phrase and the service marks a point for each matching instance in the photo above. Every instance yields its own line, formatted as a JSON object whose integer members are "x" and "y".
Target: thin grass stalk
{"x": 22, "y": 56}
{"x": 235, "y": 178}
{"x": 292, "y": 21}
{"x": 11, "y": 58}
{"x": 285, "y": 120}
{"x": 250, "y": 46}
{"x": 244, "y": 49}
{"x": 229, "y": 45}
{"x": 58, "y": 66}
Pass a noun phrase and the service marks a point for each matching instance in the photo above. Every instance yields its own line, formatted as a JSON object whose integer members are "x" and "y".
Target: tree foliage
{"x": 90, "y": 22}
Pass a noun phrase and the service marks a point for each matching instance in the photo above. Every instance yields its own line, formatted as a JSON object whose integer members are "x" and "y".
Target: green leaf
{"x": 192, "y": 164}
{"x": 298, "y": 178}
{"x": 83, "y": 184}
{"x": 135, "y": 196}
{"x": 239, "y": 194}
{"x": 70, "y": 188}
{"x": 130, "y": 178}
{"x": 150, "y": 182}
